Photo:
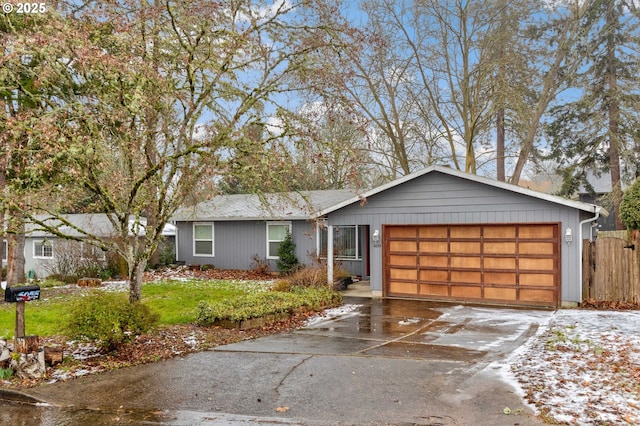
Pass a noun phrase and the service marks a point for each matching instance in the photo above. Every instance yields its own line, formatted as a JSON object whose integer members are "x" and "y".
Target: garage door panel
{"x": 398, "y": 260}
{"x": 466, "y": 277}
{"x": 537, "y": 295}
{"x": 402, "y": 232}
{"x": 547, "y": 280}
{"x": 510, "y": 263}
{"x": 434, "y": 290}
{"x": 403, "y": 288}
{"x": 465, "y": 232}
{"x": 434, "y": 261}
{"x": 498, "y": 293}
{"x": 500, "y": 278}
{"x": 466, "y": 292}
{"x": 466, "y": 262}
{"x": 536, "y": 248}
{"x": 404, "y": 274}
{"x": 465, "y": 247}
{"x": 507, "y": 231}
{"x": 433, "y": 232}
{"x": 434, "y": 247}
{"x": 403, "y": 246}
{"x": 434, "y": 275}
{"x": 536, "y": 231}
{"x": 540, "y": 264}
{"x": 500, "y": 248}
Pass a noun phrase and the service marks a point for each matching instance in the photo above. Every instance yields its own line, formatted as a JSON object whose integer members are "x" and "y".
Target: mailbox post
{"x": 20, "y": 295}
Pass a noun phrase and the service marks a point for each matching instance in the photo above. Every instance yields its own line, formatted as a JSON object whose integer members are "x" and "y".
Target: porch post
{"x": 330, "y": 254}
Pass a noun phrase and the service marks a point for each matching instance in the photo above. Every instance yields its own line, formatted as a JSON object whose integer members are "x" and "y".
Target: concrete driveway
{"x": 385, "y": 362}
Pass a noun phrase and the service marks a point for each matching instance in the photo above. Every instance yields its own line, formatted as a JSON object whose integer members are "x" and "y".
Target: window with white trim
{"x": 276, "y": 233}
{"x": 203, "y": 239}
{"x": 346, "y": 242}
{"x": 43, "y": 249}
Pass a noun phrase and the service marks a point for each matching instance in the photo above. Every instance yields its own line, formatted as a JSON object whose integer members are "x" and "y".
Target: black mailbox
{"x": 22, "y": 294}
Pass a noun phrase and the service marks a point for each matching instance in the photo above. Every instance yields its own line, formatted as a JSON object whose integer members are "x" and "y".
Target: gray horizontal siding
{"x": 237, "y": 242}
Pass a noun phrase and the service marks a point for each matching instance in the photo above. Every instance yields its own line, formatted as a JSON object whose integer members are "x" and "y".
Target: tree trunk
{"x": 613, "y": 110}
{"x": 500, "y": 146}
{"x": 136, "y": 272}
{"x": 15, "y": 248}
{"x": 550, "y": 86}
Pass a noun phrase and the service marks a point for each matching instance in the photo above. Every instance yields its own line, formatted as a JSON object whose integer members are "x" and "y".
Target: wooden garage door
{"x": 513, "y": 264}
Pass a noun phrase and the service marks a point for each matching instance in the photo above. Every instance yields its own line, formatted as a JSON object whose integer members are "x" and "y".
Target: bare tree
{"x": 162, "y": 93}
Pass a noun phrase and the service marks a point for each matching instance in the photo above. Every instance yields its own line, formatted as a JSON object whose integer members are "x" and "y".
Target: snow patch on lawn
{"x": 582, "y": 367}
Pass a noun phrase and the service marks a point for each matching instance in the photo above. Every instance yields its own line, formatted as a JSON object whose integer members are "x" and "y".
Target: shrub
{"x": 64, "y": 279}
{"x": 259, "y": 265}
{"x": 281, "y": 285}
{"x": 108, "y": 318}
{"x": 166, "y": 251}
{"x": 6, "y": 373}
{"x": 309, "y": 277}
{"x": 630, "y": 206}
{"x": 287, "y": 261}
{"x": 263, "y": 304}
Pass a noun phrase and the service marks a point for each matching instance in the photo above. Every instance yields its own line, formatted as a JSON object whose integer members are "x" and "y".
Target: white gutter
{"x": 593, "y": 219}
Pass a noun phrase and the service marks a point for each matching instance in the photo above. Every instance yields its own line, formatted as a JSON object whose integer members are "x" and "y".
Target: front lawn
{"x": 176, "y": 301}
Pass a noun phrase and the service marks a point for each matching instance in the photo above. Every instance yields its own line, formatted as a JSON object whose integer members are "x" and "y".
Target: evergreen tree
{"x": 630, "y": 206}
{"x": 287, "y": 261}
{"x": 598, "y": 131}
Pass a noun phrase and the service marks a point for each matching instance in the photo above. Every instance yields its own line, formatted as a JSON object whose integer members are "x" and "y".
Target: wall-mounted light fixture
{"x": 375, "y": 237}
{"x": 568, "y": 235}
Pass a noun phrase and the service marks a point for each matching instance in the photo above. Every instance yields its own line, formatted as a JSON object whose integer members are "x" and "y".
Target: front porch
{"x": 358, "y": 289}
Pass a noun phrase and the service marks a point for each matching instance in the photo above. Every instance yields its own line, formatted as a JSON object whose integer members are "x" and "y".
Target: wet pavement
{"x": 388, "y": 362}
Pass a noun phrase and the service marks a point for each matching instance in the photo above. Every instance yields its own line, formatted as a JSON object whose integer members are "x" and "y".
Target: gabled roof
{"x": 592, "y": 208}
{"x": 313, "y": 204}
{"x": 289, "y": 206}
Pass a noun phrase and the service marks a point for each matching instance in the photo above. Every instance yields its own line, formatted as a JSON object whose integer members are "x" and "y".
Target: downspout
{"x": 593, "y": 219}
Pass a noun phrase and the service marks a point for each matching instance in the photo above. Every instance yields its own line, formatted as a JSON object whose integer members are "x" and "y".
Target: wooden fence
{"x": 611, "y": 267}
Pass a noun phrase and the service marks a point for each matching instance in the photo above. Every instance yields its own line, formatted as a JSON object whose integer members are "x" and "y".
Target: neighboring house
{"x": 434, "y": 234}
{"x": 601, "y": 194}
{"x": 46, "y": 253}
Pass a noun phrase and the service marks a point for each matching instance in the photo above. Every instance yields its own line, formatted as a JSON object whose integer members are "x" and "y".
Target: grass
{"x": 175, "y": 301}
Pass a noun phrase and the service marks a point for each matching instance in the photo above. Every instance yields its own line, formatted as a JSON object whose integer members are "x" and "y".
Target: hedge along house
{"x": 436, "y": 234}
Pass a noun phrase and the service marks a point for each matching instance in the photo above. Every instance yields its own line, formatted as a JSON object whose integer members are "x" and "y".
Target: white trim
{"x": 330, "y": 254}
{"x": 41, "y": 243}
{"x": 213, "y": 239}
{"x": 358, "y": 255}
{"x": 275, "y": 223}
